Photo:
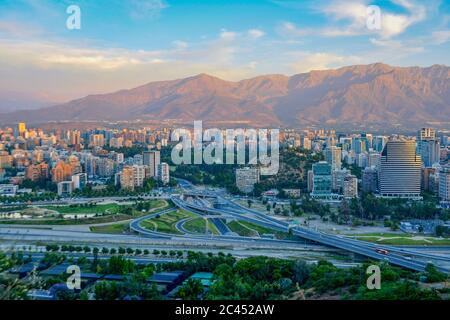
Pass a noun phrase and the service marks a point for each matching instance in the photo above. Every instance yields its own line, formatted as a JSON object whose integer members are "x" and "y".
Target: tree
{"x": 191, "y": 290}
{"x": 433, "y": 275}
{"x": 120, "y": 265}
{"x": 301, "y": 271}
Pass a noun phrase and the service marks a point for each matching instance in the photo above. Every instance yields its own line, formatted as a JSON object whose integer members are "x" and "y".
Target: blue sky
{"x": 123, "y": 44}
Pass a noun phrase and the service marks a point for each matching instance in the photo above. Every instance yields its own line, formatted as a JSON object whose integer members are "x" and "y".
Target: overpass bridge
{"x": 396, "y": 256}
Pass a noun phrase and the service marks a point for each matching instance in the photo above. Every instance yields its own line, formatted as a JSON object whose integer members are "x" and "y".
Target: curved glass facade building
{"x": 400, "y": 170}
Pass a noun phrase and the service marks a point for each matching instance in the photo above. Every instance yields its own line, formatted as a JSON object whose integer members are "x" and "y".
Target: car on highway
{"x": 382, "y": 251}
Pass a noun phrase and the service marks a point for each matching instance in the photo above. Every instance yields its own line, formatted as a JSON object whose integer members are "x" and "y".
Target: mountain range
{"x": 362, "y": 94}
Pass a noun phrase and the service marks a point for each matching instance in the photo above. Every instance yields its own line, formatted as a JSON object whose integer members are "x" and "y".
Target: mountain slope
{"x": 375, "y": 93}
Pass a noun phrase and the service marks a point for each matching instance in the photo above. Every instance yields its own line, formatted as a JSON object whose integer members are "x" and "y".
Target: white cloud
{"x": 289, "y": 29}
{"x": 256, "y": 33}
{"x": 440, "y": 37}
{"x": 396, "y": 48}
{"x": 227, "y": 35}
{"x": 252, "y": 64}
{"x": 49, "y": 55}
{"x": 16, "y": 29}
{"x": 354, "y": 12}
{"x": 306, "y": 61}
{"x": 68, "y": 71}
{"x": 178, "y": 44}
{"x": 142, "y": 9}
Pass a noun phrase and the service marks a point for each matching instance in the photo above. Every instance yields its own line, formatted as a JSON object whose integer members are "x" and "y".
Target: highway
{"x": 396, "y": 256}
{"x": 348, "y": 240}
{"x": 414, "y": 258}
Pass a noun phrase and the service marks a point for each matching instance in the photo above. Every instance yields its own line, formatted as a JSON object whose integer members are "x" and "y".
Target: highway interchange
{"x": 216, "y": 207}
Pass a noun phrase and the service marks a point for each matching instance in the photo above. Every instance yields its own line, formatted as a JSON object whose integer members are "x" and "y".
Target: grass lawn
{"x": 100, "y": 208}
{"x": 56, "y": 221}
{"x": 198, "y": 225}
{"x": 114, "y": 209}
{"x": 117, "y": 228}
{"x": 11, "y": 209}
{"x": 111, "y": 208}
{"x": 241, "y": 230}
{"x": 248, "y": 229}
{"x": 261, "y": 230}
{"x": 166, "y": 222}
{"x": 401, "y": 239}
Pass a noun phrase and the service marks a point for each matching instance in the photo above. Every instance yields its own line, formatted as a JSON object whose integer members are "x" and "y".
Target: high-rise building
{"x": 374, "y": 159}
{"x": 310, "y": 180}
{"x": 152, "y": 160}
{"x": 362, "y": 160}
{"x": 79, "y": 181}
{"x": 116, "y": 142}
{"x": 369, "y": 181}
{"x": 426, "y": 134}
{"x": 22, "y": 129}
{"x": 428, "y": 146}
{"x": 322, "y": 179}
{"x": 427, "y": 174}
{"x": 138, "y": 159}
{"x": 105, "y": 167}
{"x": 97, "y": 140}
{"x": 359, "y": 144}
{"x": 74, "y": 137}
{"x": 138, "y": 175}
{"x": 127, "y": 177}
{"x": 400, "y": 170}
{"x": 430, "y": 152}
{"x": 163, "y": 172}
{"x": 246, "y": 179}
{"x": 444, "y": 183}
{"x": 338, "y": 177}
{"x": 36, "y": 172}
{"x": 378, "y": 143}
{"x": 350, "y": 186}
{"x": 65, "y": 188}
{"x": 61, "y": 172}
{"x": 305, "y": 143}
{"x": 333, "y": 155}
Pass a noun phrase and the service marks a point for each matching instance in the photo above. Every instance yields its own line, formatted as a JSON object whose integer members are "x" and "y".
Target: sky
{"x": 123, "y": 44}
